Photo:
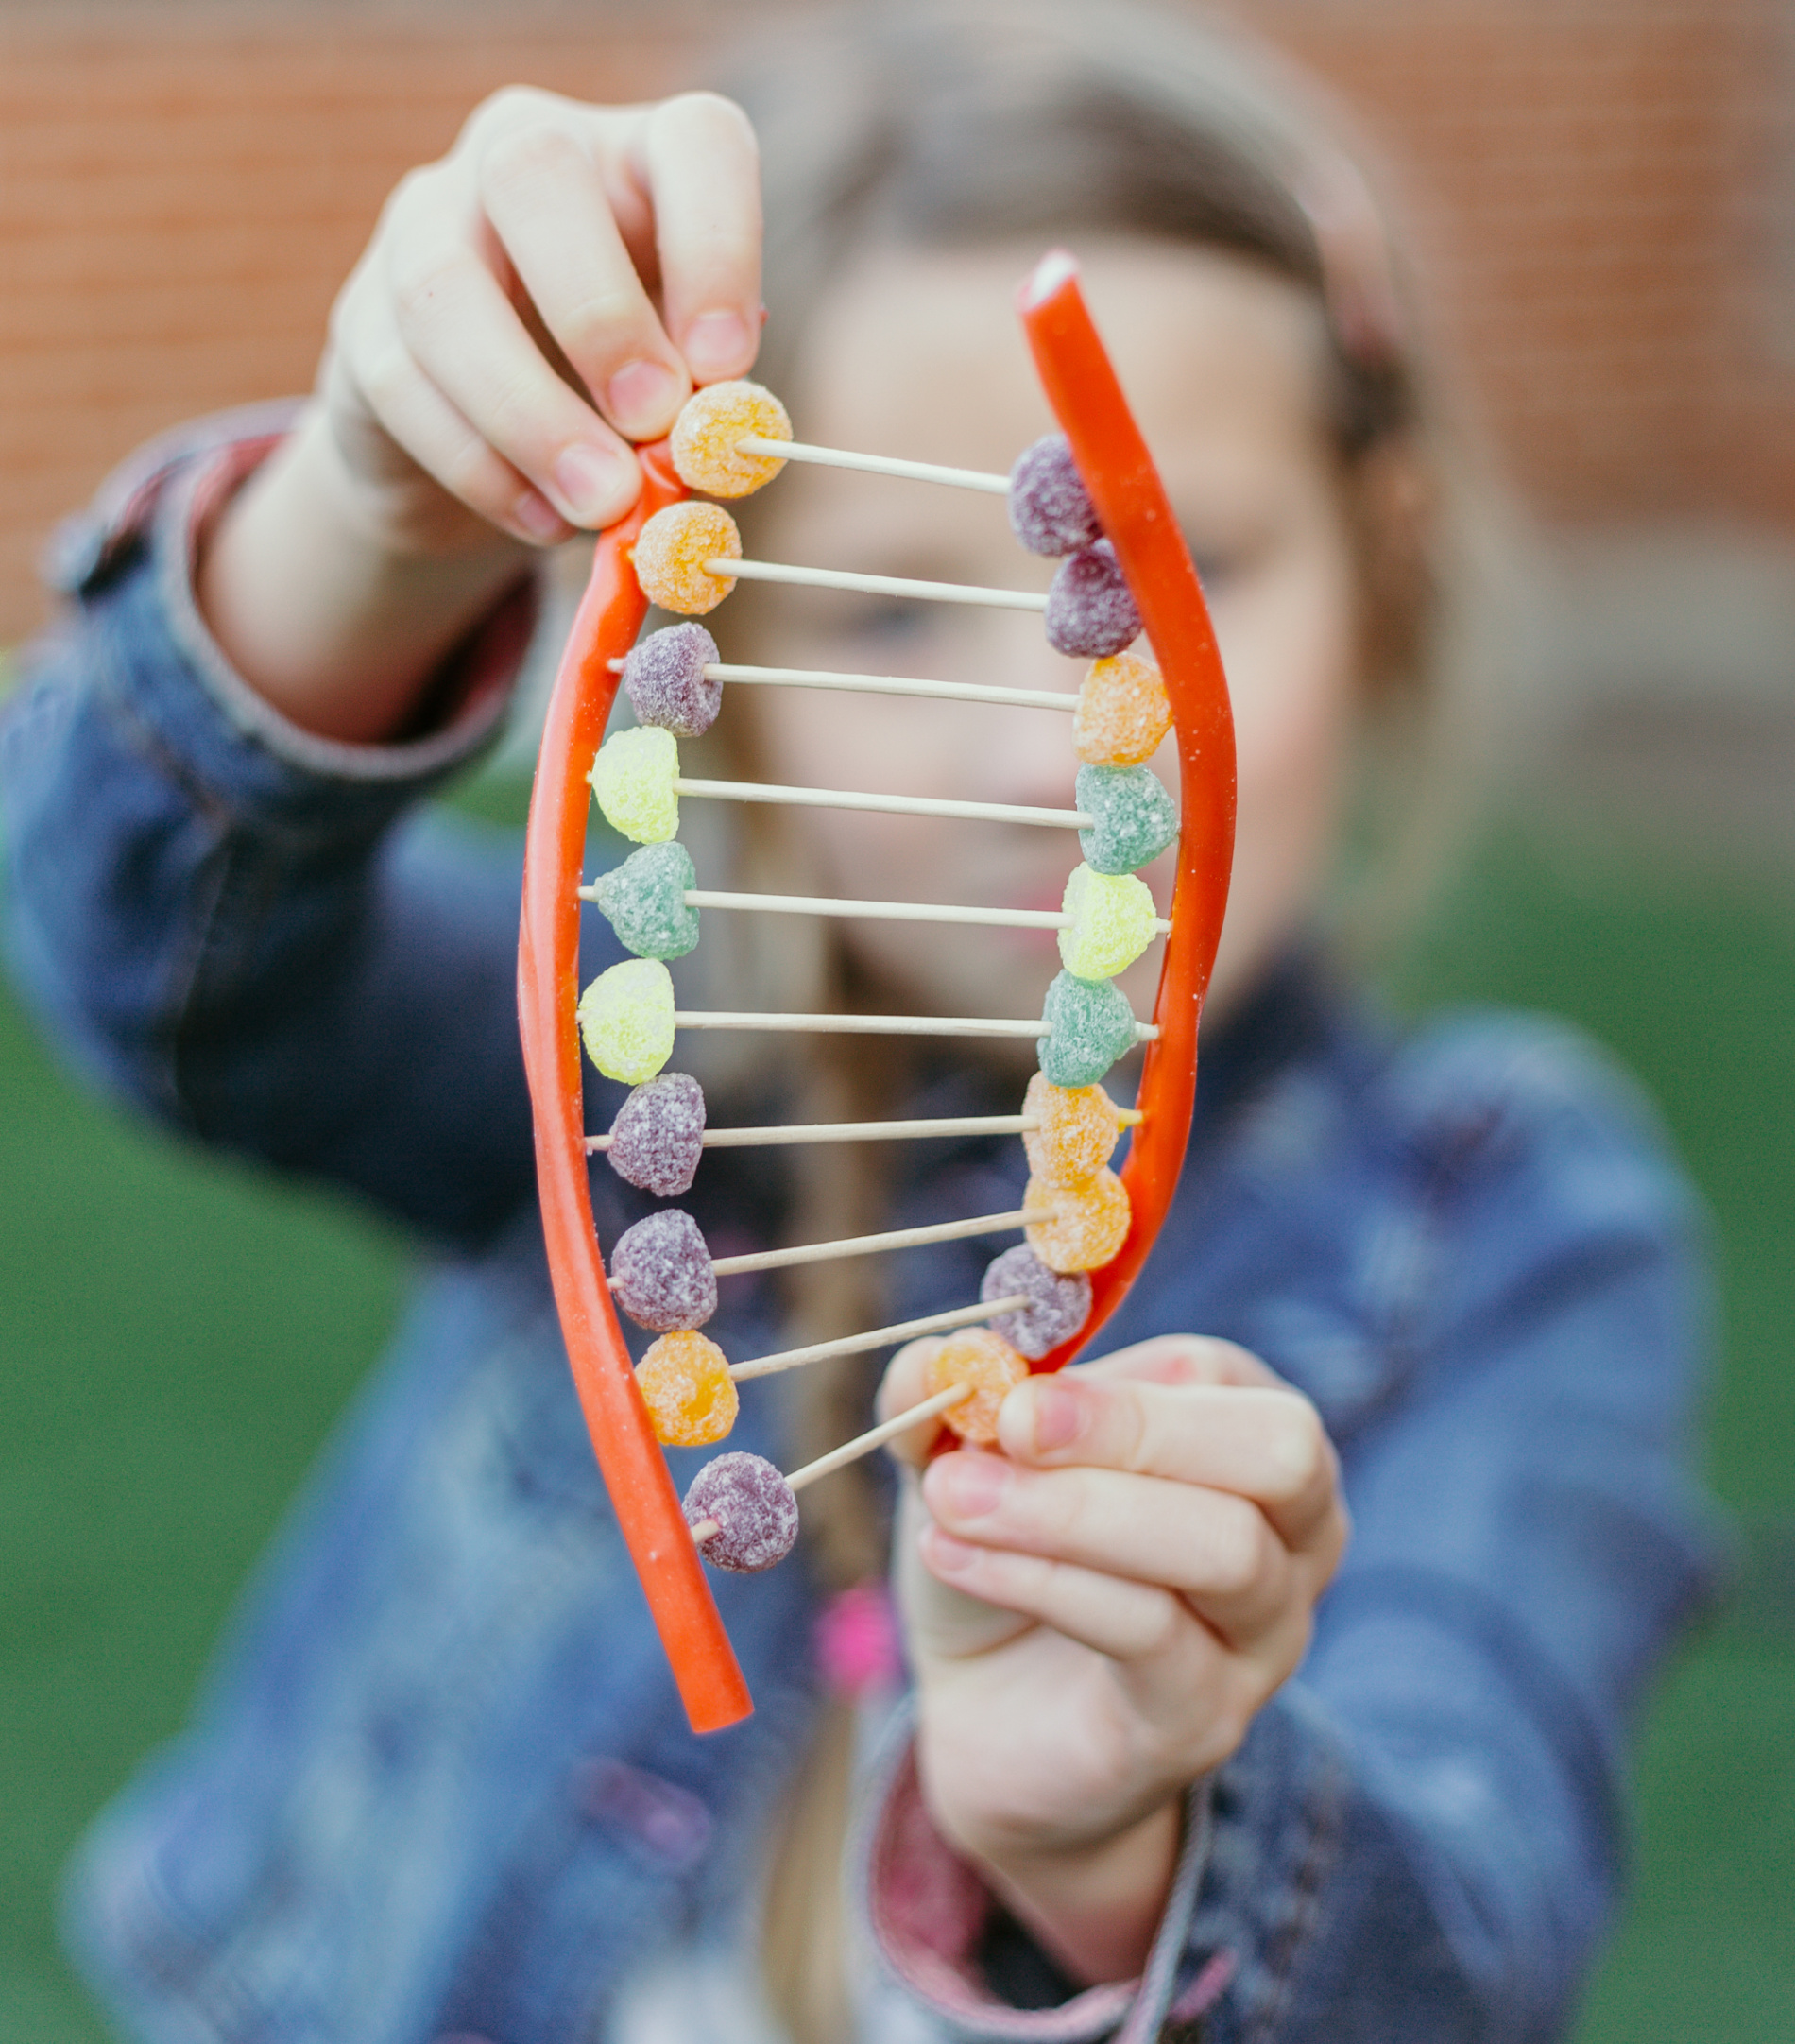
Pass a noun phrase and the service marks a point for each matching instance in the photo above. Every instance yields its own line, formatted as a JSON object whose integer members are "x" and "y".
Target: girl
{"x": 1146, "y": 1775}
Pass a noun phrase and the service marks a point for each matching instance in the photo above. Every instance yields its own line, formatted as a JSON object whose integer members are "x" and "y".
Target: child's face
{"x": 920, "y": 353}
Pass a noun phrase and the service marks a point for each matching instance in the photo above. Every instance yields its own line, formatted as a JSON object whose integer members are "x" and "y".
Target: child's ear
{"x": 1393, "y": 501}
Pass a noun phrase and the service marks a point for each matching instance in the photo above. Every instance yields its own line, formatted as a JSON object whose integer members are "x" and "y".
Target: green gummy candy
{"x": 1136, "y": 817}
{"x": 626, "y": 1020}
{"x": 1088, "y": 1025}
{"x": 645, "y": 899}
{"x": 633, "y": 779}
{"x": 1113, "y": 922}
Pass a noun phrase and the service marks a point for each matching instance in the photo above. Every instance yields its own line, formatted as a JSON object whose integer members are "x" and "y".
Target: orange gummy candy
{"x": 670, "y": 554}
{"x": 1089, "y": 1226}
{"x": 1079, "y": 1130}
{"x": 1122, "y": 712}
{"x": 711, "y": 421}
{"x": 685, "y": 1382}
{"x": 985, "y": 1361}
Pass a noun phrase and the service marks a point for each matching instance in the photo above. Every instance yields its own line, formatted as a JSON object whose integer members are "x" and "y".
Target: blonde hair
{"x": 967, "y": 124}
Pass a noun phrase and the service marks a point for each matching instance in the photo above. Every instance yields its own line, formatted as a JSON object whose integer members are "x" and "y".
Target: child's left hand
{"x": 1095, "y": 1616}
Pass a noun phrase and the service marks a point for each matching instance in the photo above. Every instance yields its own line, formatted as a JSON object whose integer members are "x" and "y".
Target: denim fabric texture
{"x": 438, "y": 1782}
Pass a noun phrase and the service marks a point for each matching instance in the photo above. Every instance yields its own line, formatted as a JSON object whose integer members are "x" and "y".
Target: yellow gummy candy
{"x": 1123, "y": 712}
{"x": 985, "y": 1361}
{"x": 670, "y": 554}
{"x": 1089, "y": 1226}
{"x": 1078, "y": 1134}
{"x": 711, "y": 421}
{"x": 633, "y": 779}
{"x": 685, "y": 1382}
{"x": 1113, "y": 920}
{"x": 626, "y": 1020}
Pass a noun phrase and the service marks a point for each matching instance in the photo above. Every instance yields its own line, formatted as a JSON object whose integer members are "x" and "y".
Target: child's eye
{"x": 888, "y": 621}
{"x": 1212, "y": 564}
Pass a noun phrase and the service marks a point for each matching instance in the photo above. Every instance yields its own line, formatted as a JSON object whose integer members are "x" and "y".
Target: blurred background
{"x": 1607, "y": 190}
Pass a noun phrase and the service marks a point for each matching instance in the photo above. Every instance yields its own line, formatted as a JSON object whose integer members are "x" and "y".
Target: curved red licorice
{"x": 1138, "y": 519}
{"x": 634, "y": 1471}
{"x": 1131, "y": 502}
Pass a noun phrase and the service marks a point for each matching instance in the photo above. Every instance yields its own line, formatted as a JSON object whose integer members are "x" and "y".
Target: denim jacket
{"x": 438, "y": 1782}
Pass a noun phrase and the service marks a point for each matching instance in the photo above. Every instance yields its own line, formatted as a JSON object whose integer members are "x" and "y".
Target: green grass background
{"x": 177, "y": 1335}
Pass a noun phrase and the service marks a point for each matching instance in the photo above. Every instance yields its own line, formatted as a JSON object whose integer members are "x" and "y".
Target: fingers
{"x": 703, "y": 169}
{"x": 1257, "y": 1442}
{"x": 906, "y": 1384}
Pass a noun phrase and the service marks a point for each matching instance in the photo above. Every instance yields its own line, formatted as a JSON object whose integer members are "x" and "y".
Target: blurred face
{"x": 920, "y": 353}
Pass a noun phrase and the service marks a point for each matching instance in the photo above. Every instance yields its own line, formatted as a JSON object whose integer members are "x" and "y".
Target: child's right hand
{"x": 547, "y": 293}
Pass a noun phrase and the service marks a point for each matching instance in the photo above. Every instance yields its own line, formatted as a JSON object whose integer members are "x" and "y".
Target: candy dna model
{"x": 1090, "y": 494}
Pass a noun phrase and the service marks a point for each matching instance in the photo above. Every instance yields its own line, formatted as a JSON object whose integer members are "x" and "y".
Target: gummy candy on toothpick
{"x": 1123, "y": 712}
{"x": 626, "y": 1020}
{"x": 1090, "y": 610}
{"x": 752, "y": 1507}
{"x": 1051, "y": 510}
{"x": 665, "y": 681}
{"x": 1078, "y": 1133}
{"x": 633, "y": 781}
{"x": 645, "y": 900}
{"x": 1135, "y": 818}
{"x": 1113, "y": 922}
{"x": 671, "y": 552}
{"x": 975, "y": 1356}
{"x": 711, "y": 421}
{"x": 1058, "y": 1304}
{"x": 1088, "y": 1222}
{"x": 661, "y": 1274}
{"x": 1088, "y": 1025}
{"x": 657, "y": 1138}
{"x": 685, "y": 1382}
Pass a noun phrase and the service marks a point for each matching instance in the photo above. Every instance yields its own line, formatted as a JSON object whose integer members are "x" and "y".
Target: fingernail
{"x": 538, "y": 519}
{"x": 719, "y": 344}
{"x": 592, "y": 483}
{"x": 970, "y": 1486}
{"x": 643, "y": 397}
{"x": 1059, "y": 1415}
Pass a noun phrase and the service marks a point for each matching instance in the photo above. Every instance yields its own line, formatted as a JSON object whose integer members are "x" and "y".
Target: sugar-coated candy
{"x": 1090, "y": 609}
{"x": 753, "y": 1508}
{"x": 657, "y": 1137}
{"x": 645, "y": 900}
{"x": 1058, "y": 1305}
{"x": 711, "y": 421}
{"x": 1089, "y": 1223}
{"x": 1135, "y": 816}
{"x": 1051, "y": 510}
{"x": 1088, "y": 1025}
{"x": 626, "y": 1020}
{"x": 1123, "y": 712}
{"x": 633, "y": 779}
{"x": 975, "y": 1356}
{"x": 1078, "y": 1132}
{"x": 665, "y": 681}
{"x": 685, "y": 1382}
{"x": 670, "y": 554}
{"x": 1113, "y": 922}
{"x": 661, "y": 1274}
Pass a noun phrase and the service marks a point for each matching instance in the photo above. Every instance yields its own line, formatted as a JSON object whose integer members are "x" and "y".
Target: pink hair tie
{"x": 856, "y": 1647}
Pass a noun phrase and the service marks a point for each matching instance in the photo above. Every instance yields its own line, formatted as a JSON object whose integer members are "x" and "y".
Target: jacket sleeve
{"x": 1421, "y": 1835}
{"x": 235, "y": 924}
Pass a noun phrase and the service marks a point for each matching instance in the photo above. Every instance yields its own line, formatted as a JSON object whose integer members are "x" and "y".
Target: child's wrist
{"x": 1094, "y": 1906}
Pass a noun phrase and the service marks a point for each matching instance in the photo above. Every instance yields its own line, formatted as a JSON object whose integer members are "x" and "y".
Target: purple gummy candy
{"x": 1057, "y": 1307}
{"x": 661, "y": 1274}
{"x": 657, "y": 1137}
{"x": 754, "y": 1508}
{"x": 1090, "y": 611}
{"x": 664, "y": 677}
{"x": 1051, "y": 510}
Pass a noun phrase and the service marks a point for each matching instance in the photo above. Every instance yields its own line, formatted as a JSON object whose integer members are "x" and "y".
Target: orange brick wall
{"x": 1607, "y": 188}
